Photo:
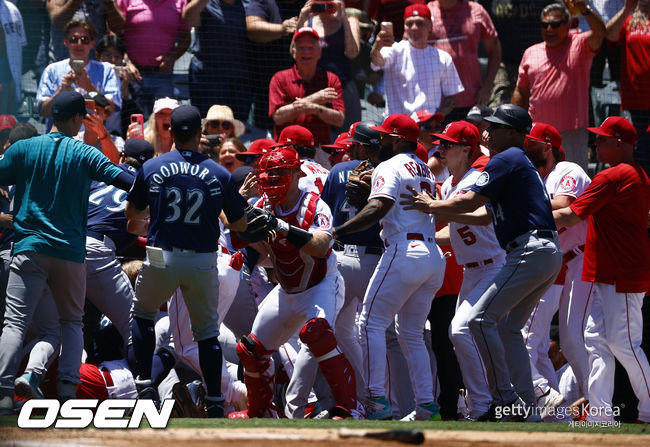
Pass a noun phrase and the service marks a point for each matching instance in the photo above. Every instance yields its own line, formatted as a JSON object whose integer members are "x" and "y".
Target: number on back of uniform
{"x": 184, "y": 204}
{"x": 117, "y": 196}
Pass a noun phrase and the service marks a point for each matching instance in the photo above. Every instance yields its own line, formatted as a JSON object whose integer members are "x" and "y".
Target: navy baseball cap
{"x": 139, "y": 149}
{"x": 186, "y": 120}
{"x": 67, "y": 104}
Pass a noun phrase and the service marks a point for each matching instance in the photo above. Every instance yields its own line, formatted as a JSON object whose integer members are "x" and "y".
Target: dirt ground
{"x": 177, "y": 437}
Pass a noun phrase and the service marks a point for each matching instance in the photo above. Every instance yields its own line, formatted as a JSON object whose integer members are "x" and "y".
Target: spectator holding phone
{"x": 79, "y": 72}
{"x": 218, "y": 125}
{"x": 157, "y": 132}
{"x": 12, "y": 40}
{"x": 95, "y": 133}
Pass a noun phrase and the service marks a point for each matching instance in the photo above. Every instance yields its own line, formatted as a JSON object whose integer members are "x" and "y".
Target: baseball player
{"x": 107, "y": 286}
{"x": 408, "y": 275}
{"x": 521, "y": 212}
{"x": 564, "y": 182}
{"x": 302, "y": 140}
{"x": 477, "y": 250}
{"x": 309, "y": 291}
{"x": 52, "y": 174}
{"x": 183, "y": 192}
{"x": 617, "y": 261}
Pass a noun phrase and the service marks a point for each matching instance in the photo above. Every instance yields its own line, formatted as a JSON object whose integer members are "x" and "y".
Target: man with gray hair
{"x": 553, "y": 82}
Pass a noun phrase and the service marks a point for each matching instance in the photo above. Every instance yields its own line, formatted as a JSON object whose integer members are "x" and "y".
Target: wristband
{"x": 298, "y": 237}
{"x": 282, "y": 226}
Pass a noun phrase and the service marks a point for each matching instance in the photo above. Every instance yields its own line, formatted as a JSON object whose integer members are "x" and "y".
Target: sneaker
{"x": 27, "y": 386}
{"x": 427, "y": 412}
{"x": 214, "y": 406}
{"x": 378, "y": 409}
{"x": 548, "y": 402}
{"x": 146, "y": 391}
{"x": 518, "y": 411}
{"x": 6, "y": 406}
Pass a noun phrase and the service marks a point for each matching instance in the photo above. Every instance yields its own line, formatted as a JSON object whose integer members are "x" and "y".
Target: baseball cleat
{"x": 427, "y": 412}
{"x": 518, "y": 411}
{"x": 548, "y": 402}
{"x": 27, "y": 386}
{"x": 239, "y": 415}
{"x": 378, "y": 409}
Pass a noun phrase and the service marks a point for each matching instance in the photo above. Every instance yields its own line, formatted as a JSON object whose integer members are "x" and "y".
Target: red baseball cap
{"x": 418, "y": 10}
{"x": 297, "y": 135}
{"x": 306, "y": 30}
{"x": 422, "y": 153}
{"x": 422, "y": 116}
{"x": 400, "y": 125}
{"x": 256, "y": 149}
{"x": 548, "y": 134}
{"x": 7, "y": 122}
{"x": 340, "y": 143}
{"x": 617, "y": 127}
{"x": 461, "y": 132}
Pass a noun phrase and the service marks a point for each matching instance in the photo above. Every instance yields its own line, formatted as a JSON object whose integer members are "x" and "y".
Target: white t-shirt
{"x": 390, "y": 179}
{"x": 568, "y": 179}
{"x": 471, "y": 243}
{"x": 417, "y": 79}
{"x": 315, "y": 176}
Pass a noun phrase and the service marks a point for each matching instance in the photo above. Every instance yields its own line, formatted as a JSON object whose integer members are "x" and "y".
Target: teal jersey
{"x": 52, "y": 174}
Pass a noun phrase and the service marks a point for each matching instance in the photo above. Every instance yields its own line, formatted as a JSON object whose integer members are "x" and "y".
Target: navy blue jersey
{"x": 6, "y": 234}
{"x": 106, "y": 204}
{"x": 518, "y": 198}
{"x": 185, "y": 192}
{"x": 334, "y": 195}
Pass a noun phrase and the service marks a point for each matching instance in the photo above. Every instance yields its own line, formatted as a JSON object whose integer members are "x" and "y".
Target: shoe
{"x": 378, "y": 409}
{"x": 518, "y": 411}
{"x": 489, "y": 416}
{"x": 146, "y": 391}
{"x": 548, "y": 402}
{"x": 6, "y": 406}
{"x": 239, "y": 415}
{"x": 66, "y": 390}
{"x": 409, "y": 417}
{"x": 214, "y": 406}
{"x": 27, "y": 386}
{"x": 427, "y": 412}
{"x": 197, "y": 393}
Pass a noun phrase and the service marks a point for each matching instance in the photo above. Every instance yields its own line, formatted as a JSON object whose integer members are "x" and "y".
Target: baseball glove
{"x": 260, "y": 225}
{"x": 357, "y": 189}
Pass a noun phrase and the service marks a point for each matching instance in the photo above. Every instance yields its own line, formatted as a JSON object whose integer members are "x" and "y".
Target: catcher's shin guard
{"x": 258, "y": 375}
{"x": 318, "y": 335}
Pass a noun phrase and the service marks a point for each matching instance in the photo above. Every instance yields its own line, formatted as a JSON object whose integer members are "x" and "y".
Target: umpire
{"x": 515, "y": 196}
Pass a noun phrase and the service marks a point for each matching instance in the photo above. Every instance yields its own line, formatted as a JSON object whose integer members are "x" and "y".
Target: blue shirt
{"x": 6, "y": 234}
{"x": 518, "y": 198}
{"x": 52, "y": 174}
{"x": 106, "y": 204}
{"x": 185, "y": 192}
{"x": 334, "y": 195}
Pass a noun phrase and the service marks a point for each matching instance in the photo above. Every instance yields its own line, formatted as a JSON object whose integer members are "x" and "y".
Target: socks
{"x": 210, "y": 359}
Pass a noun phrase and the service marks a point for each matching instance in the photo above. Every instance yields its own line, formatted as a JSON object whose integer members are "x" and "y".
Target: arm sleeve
{"x": 101, "y": 168}
{"x": 124, "y": 181}
{"x": 522, "y": 79}
{"x": 492, "y": 180}
{"x": 600, "y": 192}
{"x": 572, "y": 183}
{"x": 46, "y": 86}
{"x": 138, "y": 194}
{"x": 385, "y": 183}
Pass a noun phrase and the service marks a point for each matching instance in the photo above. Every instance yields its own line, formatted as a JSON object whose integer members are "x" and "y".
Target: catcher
{"x": 297, "y": 235}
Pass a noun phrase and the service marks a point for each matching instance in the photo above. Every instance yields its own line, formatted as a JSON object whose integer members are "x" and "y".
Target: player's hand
{"x": 250, "y": 187}
{"x": 421, "y": 201}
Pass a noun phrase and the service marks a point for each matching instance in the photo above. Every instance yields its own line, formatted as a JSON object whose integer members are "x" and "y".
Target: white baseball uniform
{"x": 569, "y": 294}
{"x": 477, "y": 249}
{"x": 405, "y": 281}
{"x": 314, "y": 178}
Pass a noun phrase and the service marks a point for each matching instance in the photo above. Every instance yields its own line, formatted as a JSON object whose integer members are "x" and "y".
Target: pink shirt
{"x": 559, "y": 82}
{"x": 458, "y": 31}
{"x": 148, "y": 35}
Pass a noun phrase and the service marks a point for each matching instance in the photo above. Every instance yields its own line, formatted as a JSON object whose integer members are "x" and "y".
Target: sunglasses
{"x": 75, "y": 39}
{"x": 224, "y": 124}
{"x": 448, "y": 144}
{"x": 555, "y": 24}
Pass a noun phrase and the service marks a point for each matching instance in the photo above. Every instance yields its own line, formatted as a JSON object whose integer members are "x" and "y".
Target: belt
{"x": 187, "y": 250}
{"x": 573, "y": 253}
{"x": 108, "y": 379}
{"x": 102, "y": 238}
{"x": 471, "y": 265}
{"x": 414, "y": 237}
{"x": 546, "y": 234}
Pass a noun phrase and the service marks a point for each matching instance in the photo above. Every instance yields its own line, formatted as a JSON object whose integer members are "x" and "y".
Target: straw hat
{"x": 224, "y": 113}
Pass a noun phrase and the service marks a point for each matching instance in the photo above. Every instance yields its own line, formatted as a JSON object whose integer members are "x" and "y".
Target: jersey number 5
{"x": 188, "y": 207}
{"x": 466, "y": 235}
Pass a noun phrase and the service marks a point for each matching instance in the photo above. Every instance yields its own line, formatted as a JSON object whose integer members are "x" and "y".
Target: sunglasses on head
{"x": 555, "y": 24}
{"x": 75, "y": 39}
{"x": 224, "y": 124}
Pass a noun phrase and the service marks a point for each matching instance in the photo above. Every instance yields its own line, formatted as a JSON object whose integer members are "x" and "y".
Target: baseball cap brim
{"x": 444, "y": 137}
{"x": 495, "y": 120}
{"x": 382, "y": 129}
{"x": 599, "y": 131}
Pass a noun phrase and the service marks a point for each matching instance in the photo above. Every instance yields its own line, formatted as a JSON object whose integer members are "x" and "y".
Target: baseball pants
{"x": 614, "y": 330}
{"x": 107, "y": 286}
{"x": 404, "y": 283}
{"x": 44, "y": 335}
{"x": 475, "y": 281}
{"x": 572, "y": 321}
{"x": 398, "y": 382}
{"x": 5, "y": 267}
{"x": 31, "y": 274}
{"x": 537, "y": 339}
{"x": 503, "y": 309}
{"x": 244, "y": 307}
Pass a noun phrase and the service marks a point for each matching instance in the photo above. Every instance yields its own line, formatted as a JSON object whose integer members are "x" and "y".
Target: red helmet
{"x": 274, "y": 172}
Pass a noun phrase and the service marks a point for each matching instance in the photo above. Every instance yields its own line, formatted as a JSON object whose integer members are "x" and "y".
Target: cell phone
{"x": 387, "y": 26}
{"x": 320, "y": 7}
{"x": 138, "y": 118}
{"x": 90, "y": 104}
{"x": 215, "y": 140}
{"x": 77, "y": 65}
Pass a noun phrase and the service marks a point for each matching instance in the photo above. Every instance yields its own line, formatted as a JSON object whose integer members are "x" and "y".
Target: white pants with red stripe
{"x": 538, "y": 342}
{"x": 615, "y": 330}
{"x": 404, "y": 283}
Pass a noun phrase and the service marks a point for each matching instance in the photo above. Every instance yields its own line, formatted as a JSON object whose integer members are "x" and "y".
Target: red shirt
{"x": 617, "y": 249}
{"x": 635, "y": 68}
{"x": 287, "y": 85}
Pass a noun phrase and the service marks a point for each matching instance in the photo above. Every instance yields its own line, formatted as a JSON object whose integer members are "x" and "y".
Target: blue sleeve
{"x": 138, "y": 194}
{"x": 493, "y": 179}
{"x": 47, "y": 85}
{"x": 8, "y": 168}
{"x": 327, "y": 190}
{"x": 101, "y": 168}
{"x": 256, "y": 8}
{"x": 233, "y": 202}
{"x": 112, "y": 86}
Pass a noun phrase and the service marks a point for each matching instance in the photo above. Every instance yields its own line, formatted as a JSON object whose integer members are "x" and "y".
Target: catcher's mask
{"x": 274, "y": 172}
